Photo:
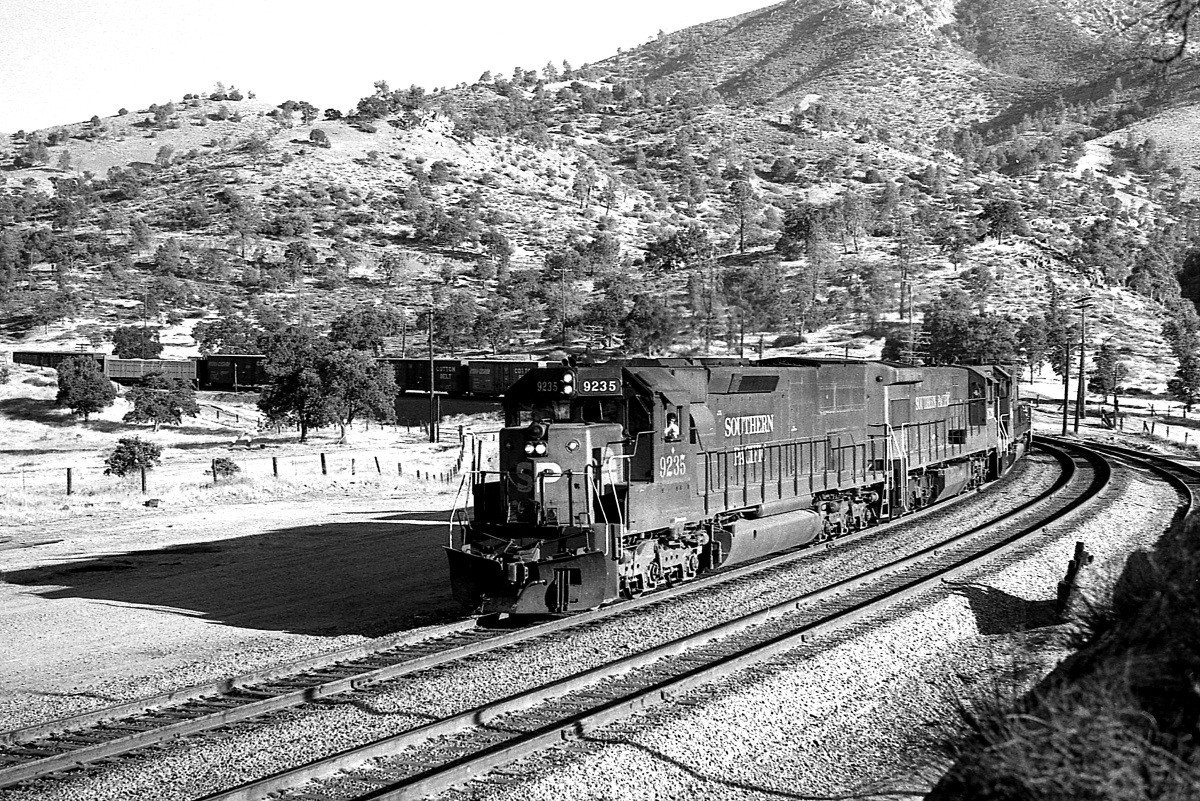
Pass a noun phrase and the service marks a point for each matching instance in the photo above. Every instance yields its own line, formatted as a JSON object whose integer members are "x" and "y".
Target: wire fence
{"x": 389, "y": 465}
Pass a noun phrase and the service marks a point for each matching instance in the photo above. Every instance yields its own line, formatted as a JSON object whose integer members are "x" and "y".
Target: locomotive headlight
{"x": 529, "y": 448}
{"x": 568, "y": 378}
{"x": 539, "y": 449}
{"x": 568, "y": 389}
{"x": 573, "y": 445}
{"x": 537, "y": 431}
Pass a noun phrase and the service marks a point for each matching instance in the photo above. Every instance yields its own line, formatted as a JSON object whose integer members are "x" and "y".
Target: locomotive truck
{"x": 617, "y": 478}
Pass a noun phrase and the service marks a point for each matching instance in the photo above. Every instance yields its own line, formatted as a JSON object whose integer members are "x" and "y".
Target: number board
{"x": 598, "y": 381}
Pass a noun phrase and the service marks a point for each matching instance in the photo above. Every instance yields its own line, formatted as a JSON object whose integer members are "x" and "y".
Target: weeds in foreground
{"x": 1119, "y": 721}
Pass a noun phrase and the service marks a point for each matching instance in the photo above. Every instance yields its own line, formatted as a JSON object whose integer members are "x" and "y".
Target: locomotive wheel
{"x": 653, "y": 575}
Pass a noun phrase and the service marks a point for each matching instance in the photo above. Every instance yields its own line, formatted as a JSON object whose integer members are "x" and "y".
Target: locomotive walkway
{"x": 496, "y": 733}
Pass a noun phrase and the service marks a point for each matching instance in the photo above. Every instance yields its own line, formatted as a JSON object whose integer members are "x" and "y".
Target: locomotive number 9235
{"x": 610, "y": 480}
{"x": 673, "y": 465}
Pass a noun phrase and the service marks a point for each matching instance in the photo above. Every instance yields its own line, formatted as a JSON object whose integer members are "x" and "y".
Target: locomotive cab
{"x": 540, "y": 537}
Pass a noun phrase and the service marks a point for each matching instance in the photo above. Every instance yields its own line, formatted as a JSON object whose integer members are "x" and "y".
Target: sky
{"x": 61, "y": 61}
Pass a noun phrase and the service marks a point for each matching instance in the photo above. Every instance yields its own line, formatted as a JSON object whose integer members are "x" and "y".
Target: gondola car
{"x": 617, "y": 478}
{"x": 52, "y": 359}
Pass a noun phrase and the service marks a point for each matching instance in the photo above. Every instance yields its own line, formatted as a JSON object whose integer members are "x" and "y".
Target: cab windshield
{"x": 579, "y": 410}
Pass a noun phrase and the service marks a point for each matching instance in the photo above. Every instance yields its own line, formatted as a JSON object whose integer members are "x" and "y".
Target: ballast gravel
{"x": 862, "y": 713}
{"x": 805, "y": 723}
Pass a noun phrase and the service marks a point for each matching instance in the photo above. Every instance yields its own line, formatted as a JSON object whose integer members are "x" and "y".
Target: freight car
{"x": 131, "y": 371}
{"x": 231, "y": 371}
{"x": 614, "y": 479}
{"x": 484, "y": 378}
{"x": 51, "y": 359}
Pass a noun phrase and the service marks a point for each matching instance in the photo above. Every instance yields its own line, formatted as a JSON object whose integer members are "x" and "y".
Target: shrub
{"x": 225, "y": 467}
{"x": 82, "y": 387}
{"x": 5, "y": 373}
{"x": 131, "y": 454}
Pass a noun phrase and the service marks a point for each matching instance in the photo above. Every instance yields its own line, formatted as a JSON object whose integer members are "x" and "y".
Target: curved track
{"x": 465, "y": 746}
{"x": 65, "y": 745}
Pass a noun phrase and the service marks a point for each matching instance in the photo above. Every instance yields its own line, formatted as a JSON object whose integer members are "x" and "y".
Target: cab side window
{"x": 671, "y": 425}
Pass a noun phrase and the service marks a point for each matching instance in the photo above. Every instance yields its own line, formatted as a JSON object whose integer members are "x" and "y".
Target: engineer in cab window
{"x": 671, "y": 430}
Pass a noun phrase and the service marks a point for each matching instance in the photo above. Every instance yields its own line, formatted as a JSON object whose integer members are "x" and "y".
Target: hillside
{"x": 781, "y": 177}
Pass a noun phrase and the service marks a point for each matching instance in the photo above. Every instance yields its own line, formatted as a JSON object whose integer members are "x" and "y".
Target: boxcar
{"x": 232, "y": 371}
{"x": 493, "y": 377}
{"x": 412, "y": 375}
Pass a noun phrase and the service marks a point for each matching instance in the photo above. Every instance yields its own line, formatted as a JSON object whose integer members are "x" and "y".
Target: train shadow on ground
{"x": 997, "y": 612}
{"x": 368, "y": 578}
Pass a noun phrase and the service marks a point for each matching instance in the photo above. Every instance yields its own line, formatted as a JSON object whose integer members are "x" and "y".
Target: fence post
{"x": 351, "y": 465}
{"x": 323, "y": 471}
{"x": 275, "y": 466}
{"x": 378, "y": 469}
{"x": 143, "y": 479}
{"x": 214, "y": 469}
{"x": 399, "y": 469}
{"x": 69, "y": 488}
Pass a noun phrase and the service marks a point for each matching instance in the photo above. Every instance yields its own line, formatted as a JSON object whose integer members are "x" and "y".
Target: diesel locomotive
{"x": 614, "y": 479}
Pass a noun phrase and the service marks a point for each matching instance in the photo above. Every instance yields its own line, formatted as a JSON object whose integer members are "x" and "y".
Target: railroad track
{"x": 466, "y": 746}
{"x": 1184, "y": 477}
{"x": 66, "y": 745}
{"x": 62, "y": 747}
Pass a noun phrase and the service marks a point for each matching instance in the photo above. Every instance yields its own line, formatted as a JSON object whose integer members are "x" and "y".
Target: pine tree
{"x": 650, "y": 325}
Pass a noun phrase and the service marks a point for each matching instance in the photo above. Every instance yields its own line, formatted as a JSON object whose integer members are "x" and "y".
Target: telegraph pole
{"x": 1084, "y": 304}
{"x": 1066, "y": 384}
{"x": 433, "y": 415}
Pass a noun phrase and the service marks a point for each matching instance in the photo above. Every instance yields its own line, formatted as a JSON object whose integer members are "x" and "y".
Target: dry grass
{"x": 1116, "y": 722}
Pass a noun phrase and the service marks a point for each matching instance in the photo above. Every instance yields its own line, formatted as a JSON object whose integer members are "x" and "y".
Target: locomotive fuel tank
{"x": 744, "y": 540}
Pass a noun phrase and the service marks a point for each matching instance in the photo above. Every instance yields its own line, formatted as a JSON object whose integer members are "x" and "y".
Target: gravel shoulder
{"x": 862, "y": 714}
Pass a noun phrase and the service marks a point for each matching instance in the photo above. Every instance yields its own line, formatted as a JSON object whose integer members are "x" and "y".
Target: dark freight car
{"x": 412, "y": 375}
{"x": 232, "y": 371}
{"x": 493, "y": 377}
{"x": 51, "y": 358}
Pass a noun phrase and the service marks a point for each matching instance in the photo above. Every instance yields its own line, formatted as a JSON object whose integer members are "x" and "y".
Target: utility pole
{"x": 433, "y": 416}
{"x": 1066, "y": 385}
{"x": 1084, "y": 304}
{"x": 145, "y": 302}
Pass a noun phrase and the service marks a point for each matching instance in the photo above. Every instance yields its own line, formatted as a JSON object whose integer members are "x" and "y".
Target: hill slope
{"x": 684, "y": 170}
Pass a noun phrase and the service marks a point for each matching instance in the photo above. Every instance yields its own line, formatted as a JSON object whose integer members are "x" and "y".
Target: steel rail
{"x": 1185, "y": 478}
{"x": 68, "y": 743}
{"x": 573, "y": 726}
